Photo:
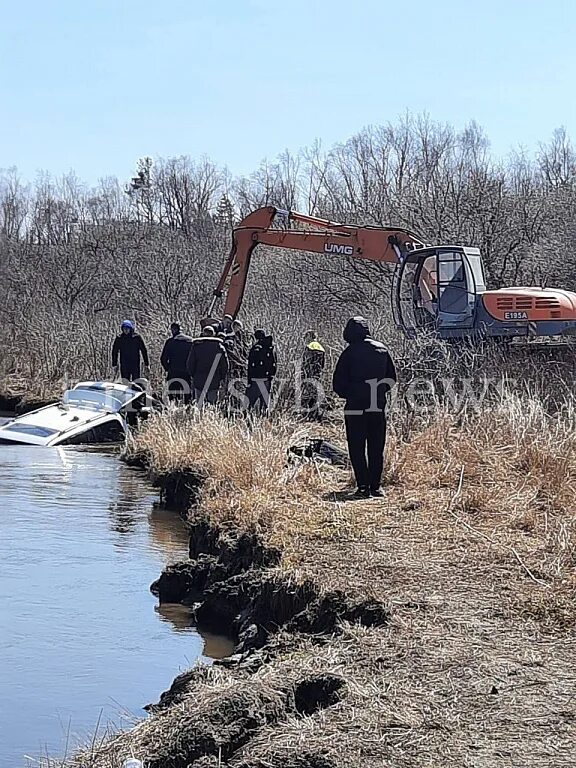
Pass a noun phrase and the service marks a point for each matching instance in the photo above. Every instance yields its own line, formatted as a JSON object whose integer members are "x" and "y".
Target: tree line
{"x": 75, "y": 260}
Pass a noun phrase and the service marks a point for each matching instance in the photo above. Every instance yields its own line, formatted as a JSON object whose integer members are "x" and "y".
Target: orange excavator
{"x": 438, "y": 288}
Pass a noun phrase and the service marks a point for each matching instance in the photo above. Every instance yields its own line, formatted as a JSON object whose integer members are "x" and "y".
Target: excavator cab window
{"x": 416, "y": 291}
{"x": 453, "y": 288}
{"x": 435, "y": 289}
{"x": 460, "y": 279}
{"x": 474, "y": 259}
{"x": 452, "y": 270}
{"x": 427, "y": 292}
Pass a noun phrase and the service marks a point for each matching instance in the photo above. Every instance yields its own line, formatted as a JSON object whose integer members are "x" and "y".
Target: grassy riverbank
{"x": 471, "y": 557}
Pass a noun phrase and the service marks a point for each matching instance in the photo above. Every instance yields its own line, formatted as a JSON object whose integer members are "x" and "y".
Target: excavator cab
{"x": 437, "y": 289}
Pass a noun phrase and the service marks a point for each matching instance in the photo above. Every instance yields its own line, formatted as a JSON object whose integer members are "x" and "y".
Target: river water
{"x": 82, "y": 642}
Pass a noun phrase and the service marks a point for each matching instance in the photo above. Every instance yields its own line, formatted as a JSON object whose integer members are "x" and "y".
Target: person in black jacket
{"x": 262, "y": 367}
{"x": 128, "y": 347}
{"x": 226, "y": 325}
{"x": 363, "y": 376}
{"x": 174, "y": 359}
{"x": 207, "y": 365}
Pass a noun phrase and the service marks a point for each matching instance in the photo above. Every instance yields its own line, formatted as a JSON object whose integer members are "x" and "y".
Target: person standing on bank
{"x": 238, "y": 353}
{"x": 363, "y": 376}
{"x": 262, "y": 367}
{"x": 207, "y": 365}
{"x": 173, "y": 359}
{"x": 226, "y": 325}
{"x": 313, "y": 362}
{"x": 128, "y": 347}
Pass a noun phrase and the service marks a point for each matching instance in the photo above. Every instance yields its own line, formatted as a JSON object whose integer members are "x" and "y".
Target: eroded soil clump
{"x": 238, "y": 588}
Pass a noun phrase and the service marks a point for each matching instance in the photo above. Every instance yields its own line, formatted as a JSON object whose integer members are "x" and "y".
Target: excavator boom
{"x": 438, "y": 288}
{"x": 379, "y": 244}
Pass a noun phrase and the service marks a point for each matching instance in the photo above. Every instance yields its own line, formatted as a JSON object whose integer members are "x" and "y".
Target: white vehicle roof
{"x": 87, "y": 405}
{"x": 100, "y": 395}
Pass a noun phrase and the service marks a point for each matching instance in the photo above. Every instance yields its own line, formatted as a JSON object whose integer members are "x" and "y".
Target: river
{"x": 83, "y": 644}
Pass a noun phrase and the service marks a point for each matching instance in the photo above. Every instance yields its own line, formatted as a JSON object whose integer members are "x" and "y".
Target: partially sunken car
{"x": 91, "y": 412}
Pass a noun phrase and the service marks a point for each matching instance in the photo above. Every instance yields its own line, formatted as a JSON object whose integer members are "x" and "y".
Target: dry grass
{"x": 508, "y": 473}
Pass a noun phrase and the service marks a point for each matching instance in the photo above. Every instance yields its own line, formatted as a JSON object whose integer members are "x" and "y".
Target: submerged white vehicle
{"x": 91, "y": 412}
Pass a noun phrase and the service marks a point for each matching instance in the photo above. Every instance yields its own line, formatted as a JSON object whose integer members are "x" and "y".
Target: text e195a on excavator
{"x": 440, "y": 288}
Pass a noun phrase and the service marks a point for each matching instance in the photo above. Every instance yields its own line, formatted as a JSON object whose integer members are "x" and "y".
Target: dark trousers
{"x": 179, "y": 385}
{"x": 258, "y": 393}
{"x": 312, "y": 396}
{"x": 130, "y": 373}
{"x": 202, "y": 396}
{"x": 366, "y": 436}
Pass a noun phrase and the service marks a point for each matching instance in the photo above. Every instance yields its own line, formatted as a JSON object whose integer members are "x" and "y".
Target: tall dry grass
{"x": 507, "y": 472}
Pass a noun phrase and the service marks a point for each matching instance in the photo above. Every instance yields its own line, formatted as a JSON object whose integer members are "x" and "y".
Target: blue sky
{"x": 92, "y": 85}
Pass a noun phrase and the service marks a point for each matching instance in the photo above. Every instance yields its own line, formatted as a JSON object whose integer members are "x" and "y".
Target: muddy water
{"x": 82, "y": 642}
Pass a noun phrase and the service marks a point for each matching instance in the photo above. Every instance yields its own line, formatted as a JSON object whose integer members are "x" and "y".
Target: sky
{"x": 92, "y": 85}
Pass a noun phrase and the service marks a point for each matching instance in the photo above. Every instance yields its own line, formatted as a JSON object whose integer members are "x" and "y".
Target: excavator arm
{"x": 380, "y": 244}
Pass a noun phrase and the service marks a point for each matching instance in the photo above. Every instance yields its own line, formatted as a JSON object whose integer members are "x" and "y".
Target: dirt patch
{"x": 317, "y": 692}
{"x": 178, "y": 490}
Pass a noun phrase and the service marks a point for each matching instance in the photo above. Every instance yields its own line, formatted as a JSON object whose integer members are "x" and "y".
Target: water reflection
{"x": 132, "y": 497}
{"x": 134, "y": 500}
{"x": 179, "y": 616}
{"x": 79, "y": 635}
{"x": 216, "y": 646}
{"x": 169, "y": 533}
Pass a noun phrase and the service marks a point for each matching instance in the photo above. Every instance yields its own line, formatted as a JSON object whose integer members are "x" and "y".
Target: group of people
{"x": 198, "y": 368}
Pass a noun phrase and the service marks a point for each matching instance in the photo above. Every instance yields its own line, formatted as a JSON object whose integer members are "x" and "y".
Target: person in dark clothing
{"x": 262, "y": 367}
{"x": 238, "y": 353}
{"x": 226, "y": 338}
{"x": 238, "y": 329}
{"x": 174, "y": 359}
{"x": 363, "y": 376}
{"x": 227, "y": 341}
{"x": 128, "y": 347}
{"x": 225, "y": 325}
{"x": 207, "y": 365}
{"x": 313, "y": 362}
{"x": 313, "y": 357}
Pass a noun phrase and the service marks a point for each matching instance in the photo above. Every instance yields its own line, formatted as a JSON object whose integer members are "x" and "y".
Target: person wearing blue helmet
{"x": 128, "y": 349}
